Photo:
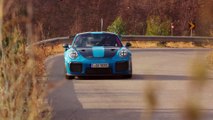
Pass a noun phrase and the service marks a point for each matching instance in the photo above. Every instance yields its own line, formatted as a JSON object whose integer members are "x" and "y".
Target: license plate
{"x": 100, "y": 65}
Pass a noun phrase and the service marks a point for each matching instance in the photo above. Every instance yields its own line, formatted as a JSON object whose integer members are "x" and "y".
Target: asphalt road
{"x": 124, "y": 99}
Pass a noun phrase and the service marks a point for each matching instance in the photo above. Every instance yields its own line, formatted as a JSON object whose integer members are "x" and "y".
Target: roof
{"x": 102, "y": 32}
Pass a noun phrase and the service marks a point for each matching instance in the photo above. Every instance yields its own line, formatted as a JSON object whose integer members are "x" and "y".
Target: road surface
{"x": 168, "y": 70}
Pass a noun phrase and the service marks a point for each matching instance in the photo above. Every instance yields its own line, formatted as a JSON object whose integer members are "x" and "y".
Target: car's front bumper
{"x": 83, "y": 67}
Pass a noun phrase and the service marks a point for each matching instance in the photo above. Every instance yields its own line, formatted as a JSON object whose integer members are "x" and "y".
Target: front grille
{"x": 98, "y": 71}
{"x": 75, "y": 67}
{"x": 121, "y": 66}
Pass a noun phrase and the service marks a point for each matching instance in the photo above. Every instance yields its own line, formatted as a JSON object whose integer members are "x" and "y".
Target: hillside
{"x": 64, "y": 17}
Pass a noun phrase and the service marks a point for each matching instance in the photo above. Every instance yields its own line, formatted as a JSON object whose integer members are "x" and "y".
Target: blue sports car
{"x": 97, "y": 54}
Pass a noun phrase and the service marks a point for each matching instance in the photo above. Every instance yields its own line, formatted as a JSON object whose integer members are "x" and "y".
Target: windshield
{"x": 90, "y": 40}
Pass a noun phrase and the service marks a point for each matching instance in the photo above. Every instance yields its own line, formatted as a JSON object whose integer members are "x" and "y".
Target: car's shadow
{"x": 137, "y": 77}
{"x": 159, "y": 77}
{"x": 101, "y": 78}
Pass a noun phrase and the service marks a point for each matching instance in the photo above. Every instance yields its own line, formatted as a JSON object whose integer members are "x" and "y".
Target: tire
{"x": 69, "y": 77}
{"x": 128, "y": 76}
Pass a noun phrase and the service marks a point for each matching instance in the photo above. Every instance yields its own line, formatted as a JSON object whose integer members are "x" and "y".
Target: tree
{"x": 157, "y": 26}
{"x": 118, "y": 26}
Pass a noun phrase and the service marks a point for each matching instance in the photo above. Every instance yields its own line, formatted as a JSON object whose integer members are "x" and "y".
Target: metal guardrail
{"x": 167, "y": 38}
{"x": 68, "y": 39}
{"x": 54, "y": 40}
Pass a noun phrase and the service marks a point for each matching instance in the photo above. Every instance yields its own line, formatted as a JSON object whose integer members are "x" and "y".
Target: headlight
{"x": 123, "y": 53}
{"x": 73, "y": 54}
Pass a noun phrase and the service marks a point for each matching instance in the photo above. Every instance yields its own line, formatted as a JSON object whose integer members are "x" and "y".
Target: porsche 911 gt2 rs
{"x": 97, "y": 54}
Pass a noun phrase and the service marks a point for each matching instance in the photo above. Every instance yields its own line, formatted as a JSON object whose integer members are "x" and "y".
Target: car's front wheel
{"x": 69, "y": 77}
{"x": 128, "y": 76}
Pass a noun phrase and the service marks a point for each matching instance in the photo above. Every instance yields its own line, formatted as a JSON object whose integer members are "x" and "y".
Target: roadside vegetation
{"x": 118, "y": 26}
{"x": 210, "y": 59}
{"x": 158, "y": 26}
{"x": 22, "y": 85}
{"x": 147, "y": 44}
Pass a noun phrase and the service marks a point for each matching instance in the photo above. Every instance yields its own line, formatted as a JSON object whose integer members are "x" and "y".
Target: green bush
{"x": 118, "y": 26}
{"x": 158, "y": 26}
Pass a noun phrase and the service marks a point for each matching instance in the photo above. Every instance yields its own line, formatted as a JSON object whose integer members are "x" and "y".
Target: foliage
{"x": 157, "y": 26}
{"x": 22, "y": 93}
{"x": 210, "y": 59}
{"x": 118, "y": 26}
{"x": 22, "y": 88}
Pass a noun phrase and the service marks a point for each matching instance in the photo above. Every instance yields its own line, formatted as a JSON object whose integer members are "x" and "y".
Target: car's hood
{"x": 98, "y": 52}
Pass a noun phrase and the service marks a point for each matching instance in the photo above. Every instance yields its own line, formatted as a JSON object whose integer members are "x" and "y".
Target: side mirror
{"x": 71, "y": 36}
{"x": 65, "y": 46}
{"x": 120, "y": 37}
{"x": 128, "y": 44}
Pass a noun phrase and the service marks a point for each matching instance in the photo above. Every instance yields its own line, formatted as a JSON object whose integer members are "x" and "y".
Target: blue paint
{"x": 98, "y": 51}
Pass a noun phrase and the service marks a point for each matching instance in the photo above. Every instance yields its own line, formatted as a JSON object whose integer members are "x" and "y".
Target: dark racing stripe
{"x": 85, "y": 52}
{"x": 98, "y": 52}
{"x": 110, "y": 52}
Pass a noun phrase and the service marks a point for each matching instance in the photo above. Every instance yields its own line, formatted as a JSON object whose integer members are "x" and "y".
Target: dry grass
{"x": 50, "y": 49}
{"x": 22, "y": 87}
{"x": 42, "y": 52}
{"x": 145, "y": 44}
{"x": 138, "y": 44}
{"x": 180, "y": 45}
{"x": 210, "y": 59}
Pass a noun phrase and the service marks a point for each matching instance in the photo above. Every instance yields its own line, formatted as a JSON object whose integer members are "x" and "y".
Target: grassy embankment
{"x": 210, "y": 59}
{"x": 22, "y": 85}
